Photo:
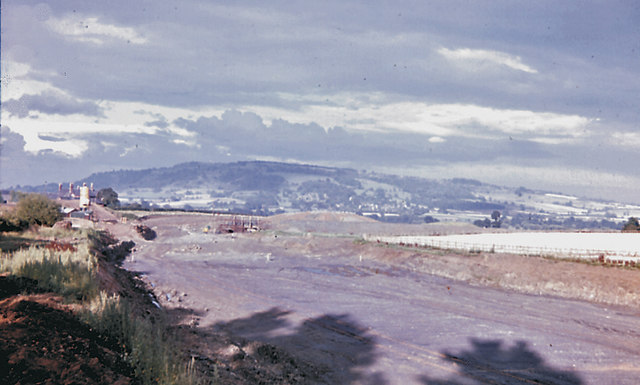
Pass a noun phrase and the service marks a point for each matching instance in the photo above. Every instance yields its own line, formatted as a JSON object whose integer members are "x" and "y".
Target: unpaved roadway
{"x": 350, "y": 312}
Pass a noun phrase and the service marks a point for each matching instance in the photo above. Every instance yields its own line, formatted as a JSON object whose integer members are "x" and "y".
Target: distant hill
{"x": 275, "y": 187}
{"x": 268, "y": 176}
{"x": 267, "y": 188}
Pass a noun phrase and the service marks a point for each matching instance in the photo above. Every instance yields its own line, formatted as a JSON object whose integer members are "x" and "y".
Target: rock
{"x": 233, "y": 353}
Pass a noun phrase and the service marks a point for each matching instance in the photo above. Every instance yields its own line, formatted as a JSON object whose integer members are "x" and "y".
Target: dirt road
{"x": 359, "y": 313}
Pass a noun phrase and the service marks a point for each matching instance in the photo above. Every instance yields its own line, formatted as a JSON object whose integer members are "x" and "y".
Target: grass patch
{"x": 130, "y": 215}
{"x": 413, "y": 248}
{"x": 71, "y": 280}
{"x": 10, "y": 242}
{"x": 61, "y": 233}
{"x": 149, "y": 349}
{"x": 360, "y": 241}
{"x": 68, "y": 273}
{"x": 13, "y": 241}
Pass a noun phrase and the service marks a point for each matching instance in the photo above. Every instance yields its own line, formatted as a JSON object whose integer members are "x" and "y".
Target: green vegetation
{"x": 150, "y": 351}
{"x": 36, "y": 209}
{"x": 16, "y": 196}
{"x": 32, "y": 209}
{"x": 108, "y": 197}
{"x": 71, "y": 271}
{"x": 13, "y": 242}
{"x": 130, "y": 215}
{"x": 632, "y": 225}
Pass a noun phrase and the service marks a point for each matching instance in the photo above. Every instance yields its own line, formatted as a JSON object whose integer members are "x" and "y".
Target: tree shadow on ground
{"x": 331, "y": 348}
{"x": 489, "y": 361}
{"x": 13, "y": 285}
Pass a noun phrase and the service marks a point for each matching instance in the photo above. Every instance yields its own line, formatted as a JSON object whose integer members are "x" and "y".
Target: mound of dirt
{"x": 146, "y": 232}
{"x": 41, "y": 341}
{"x": 324, "y": 216}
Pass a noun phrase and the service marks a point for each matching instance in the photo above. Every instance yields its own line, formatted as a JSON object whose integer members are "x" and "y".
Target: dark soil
{"x": 42, "y": 342}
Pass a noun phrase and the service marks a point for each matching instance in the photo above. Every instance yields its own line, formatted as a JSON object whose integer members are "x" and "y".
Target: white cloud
{"x": 436, "y": 139}
{"x": 33, "y": 129}
{"x": 625, "y": 139}
{"x": 475, "y": 58}
{"x": 517, "y": 122}
{"x": 12, "y": 68}
{"x": 91, "y": 30}
{"x": 36, "y": 140}
{"x": 580, "y": 182}
{"x": 186, "y": 143}
{"x": 365, "y": 113}
{"x": 16, "y": 81}
{"x": 119, "y": 117}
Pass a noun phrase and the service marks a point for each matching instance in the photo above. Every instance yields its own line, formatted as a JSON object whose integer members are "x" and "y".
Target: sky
{"x": 540, "y": 94}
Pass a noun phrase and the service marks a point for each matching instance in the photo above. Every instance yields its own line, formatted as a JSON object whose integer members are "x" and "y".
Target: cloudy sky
{"x": 541, "y": 94}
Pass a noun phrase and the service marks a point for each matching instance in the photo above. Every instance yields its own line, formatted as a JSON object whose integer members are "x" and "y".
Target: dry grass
{"x": 69, "y": 273}
{"x": 10, "y": 242}
{"x": 150, "y": 351}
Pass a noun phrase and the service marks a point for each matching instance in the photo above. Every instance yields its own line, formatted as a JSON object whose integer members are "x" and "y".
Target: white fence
{"x": 614, "y": 247}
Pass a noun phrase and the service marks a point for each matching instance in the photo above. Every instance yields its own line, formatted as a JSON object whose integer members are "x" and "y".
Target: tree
{"x": 495, "y": 215}
{"x": 430, "y": 219}
{"x": 108, "y": 197}
{"x": 10, "y": 223}
{"x": 482, "y": 222}
{"x": 36, "y": 209}
{"x": 632, "y": 225}
{"x": 17, "y": 195}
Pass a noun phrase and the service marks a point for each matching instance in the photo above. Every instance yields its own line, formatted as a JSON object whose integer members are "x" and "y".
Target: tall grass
{"x": 151, "y": 352}
{"x": 58, "y": 232}
{"x": 69, "y": 273}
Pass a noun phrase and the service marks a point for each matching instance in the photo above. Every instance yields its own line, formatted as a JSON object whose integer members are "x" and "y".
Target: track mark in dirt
{"x": 384, "y": 342}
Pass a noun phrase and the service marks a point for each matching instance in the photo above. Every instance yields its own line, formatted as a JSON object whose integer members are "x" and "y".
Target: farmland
{"x": 607, "y": 246}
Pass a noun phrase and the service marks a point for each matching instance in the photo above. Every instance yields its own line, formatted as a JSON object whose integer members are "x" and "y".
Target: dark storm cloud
{"x": 51, "y": 138}
{"x": 51, "y": 102}
{"x": 18, "y": 165}
{"x": 199, "y": 53}
{"x": 246, "y": 134}
{"x": 157, "y": 123}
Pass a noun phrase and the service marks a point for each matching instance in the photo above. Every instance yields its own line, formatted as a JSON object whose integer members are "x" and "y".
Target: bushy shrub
{"x": 632, "y": 225}
{"x": 10, "y": 223}
{"x": 36, "y": 209}
{"x": 108, "y": 197}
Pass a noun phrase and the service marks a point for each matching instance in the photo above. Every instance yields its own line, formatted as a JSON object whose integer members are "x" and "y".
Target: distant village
{"x": 86, "y": 195}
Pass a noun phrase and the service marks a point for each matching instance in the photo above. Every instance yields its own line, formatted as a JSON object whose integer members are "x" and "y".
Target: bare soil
{"x": 232, "y": 292}
{"x": 601, "y": 283}
{"x": 42, "y": 342}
